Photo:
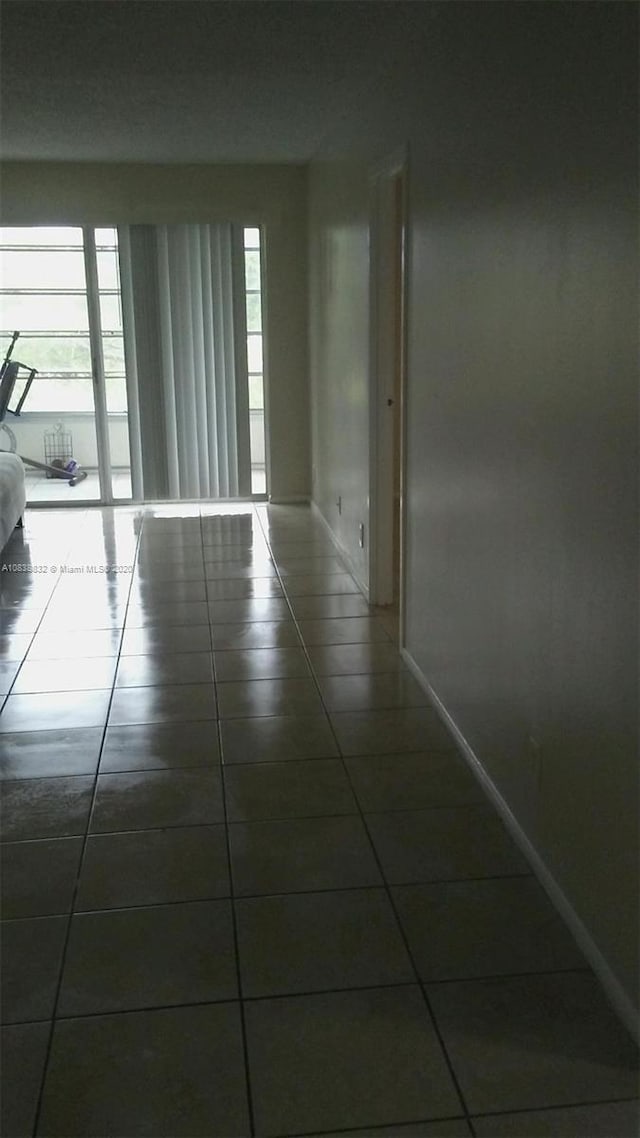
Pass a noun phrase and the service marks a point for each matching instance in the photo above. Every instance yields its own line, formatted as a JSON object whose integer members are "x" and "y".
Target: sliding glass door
{"x": 59, "y": 288}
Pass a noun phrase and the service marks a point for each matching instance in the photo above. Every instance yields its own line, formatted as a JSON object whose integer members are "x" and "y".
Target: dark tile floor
{"x": 248, "y": 885}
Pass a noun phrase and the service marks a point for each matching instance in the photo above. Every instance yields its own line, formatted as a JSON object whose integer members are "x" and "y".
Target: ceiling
{"x": 189, "y": 80}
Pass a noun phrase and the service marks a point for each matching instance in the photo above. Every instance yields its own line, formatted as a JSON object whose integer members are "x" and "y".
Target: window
{"x": 43, "y": 294}
{"x": 255, "y": 356}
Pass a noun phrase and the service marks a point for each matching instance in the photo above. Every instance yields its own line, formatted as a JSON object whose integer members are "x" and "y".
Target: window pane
{"x": 44, "y": 313}
{"x": 108, "y": 276}
{"x": 254, "y": 352}
{"x": 41, "y": 235}
{"x": 107, "y": 236}
{"x": 48, "y": 353}
{"x": 60, "y": 395}
{"x": 252, "y": 270}
{"x": 49, "y": 268}
{"x": 116, "y": 392}
{"x": 256, "y": 393}
{"x": 252, "y": 238}
{"x": 110, "y": 313}
{"x": 113, "y": 354}
{"x": 254, "y": 312}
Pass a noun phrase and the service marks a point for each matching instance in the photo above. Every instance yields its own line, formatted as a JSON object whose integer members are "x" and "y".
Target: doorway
{"x": 388, "y": 401}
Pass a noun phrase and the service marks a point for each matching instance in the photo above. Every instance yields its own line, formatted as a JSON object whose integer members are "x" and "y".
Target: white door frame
{"x": 97, "y": 365}
{"x": 383, "y": 363}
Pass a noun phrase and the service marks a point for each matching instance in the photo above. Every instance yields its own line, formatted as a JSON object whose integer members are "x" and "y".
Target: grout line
{"x": 267, "y": 896}
{"x": 234, "y": 920}
{"x": 391, "y": 901}
{"x": 85, "y": 837}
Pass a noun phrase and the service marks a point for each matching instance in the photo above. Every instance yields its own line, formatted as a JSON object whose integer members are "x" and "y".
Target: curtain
{"x": 184, "y": 323}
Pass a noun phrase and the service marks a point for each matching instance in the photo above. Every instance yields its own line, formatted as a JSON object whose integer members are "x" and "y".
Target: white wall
{"x": 521, "y": 449}
{"x": 338, "y": 346}
{"x": 57, "y": 193}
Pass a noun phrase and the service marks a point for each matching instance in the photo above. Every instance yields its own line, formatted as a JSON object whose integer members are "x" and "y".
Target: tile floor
{"x": 248, "y": 885}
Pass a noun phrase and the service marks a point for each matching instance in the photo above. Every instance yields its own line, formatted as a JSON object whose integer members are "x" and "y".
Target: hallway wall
{"x": 85, "y": 193}
{"x": 521, "y": 503}
{"x": 339, "y": 353}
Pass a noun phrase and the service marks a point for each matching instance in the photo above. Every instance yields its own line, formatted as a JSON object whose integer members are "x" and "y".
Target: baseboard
{"x": 290, "y": 500}
{"x": 613, "y": 989}
{"x": 364, "y": 589}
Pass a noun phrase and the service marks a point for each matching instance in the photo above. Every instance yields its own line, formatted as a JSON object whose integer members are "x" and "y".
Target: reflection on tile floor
{"x": 249, "y": 887}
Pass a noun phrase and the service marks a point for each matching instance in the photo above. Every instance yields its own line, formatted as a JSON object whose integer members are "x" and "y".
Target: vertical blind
{"x": 185, "y": 343}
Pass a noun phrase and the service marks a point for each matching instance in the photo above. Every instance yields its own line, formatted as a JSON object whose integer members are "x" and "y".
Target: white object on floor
{"x": 12, "y": 494}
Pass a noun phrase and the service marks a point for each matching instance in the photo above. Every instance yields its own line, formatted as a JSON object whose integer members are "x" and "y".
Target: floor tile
{"x": 48, "y": 711}
{"x": 175, "y": 1072}
{"x": 8, "y": 673}
{"x": 600, "y": 1120}
{"x": 319, "y": 584}
{"x": 251, "y": 557}
{"x": 373, "y": 690}
{"x": 182, "y": 560}
{"x": 17, "y": 621}
{"x": 259, "y": 634}
{"x": 262, "y": 740}
{"x": 160, "y": 746}
{"x": 149, "y": 800}
{"x": 352, "y": 659}
{"x": 532, "y": 1041}
{"x": 154, "y": 867}
{"x": 381, "y": 732}
{"x": 251, "y": 609}
{"x": 167, "y": 613}
{"x": 161, "y": 571}
{"x": 94, "y": 642}
{"x": 36, "y": 754}
{"x": 261, "y": 664}
{"x": 445, "y": 1128}
{"x": 156, "y": 592}
{"x": 269, "y": 697}
{"x": 320, "y": 942}
{"x": 58, "y": 675}
{"x": 45, "y": 807}
{"x": 16, "y": 646}
{"x": 128, "y": 959}
{"x": 243, "y": 587}
{"x": 348, "y": 630}
{"x": 165, "y": 638}
{"x": 466, "y": 929}
{"x": 260, "y": 791}
{"x": 284, "y": 550}
{"x": 178, "y": 668}
{"x": 300, "y": 855}
{"x": 23, "y": 1050}
{"x": 445, "y": 844}
{"x": 38, "y": 878}
{"x": 31, "y": 960}
{"x": 319, "y": 566}
{"x": 236, "y": 570}
{"x": 413, "y": 781}
{"x": 379, "y": 1058}
{"x": 175, "y": 703}
{"x": 330, "y": 606}
{"x": 73, "y": 615}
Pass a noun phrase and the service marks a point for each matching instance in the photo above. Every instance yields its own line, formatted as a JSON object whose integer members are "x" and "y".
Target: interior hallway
{"x": 248, "y": 885}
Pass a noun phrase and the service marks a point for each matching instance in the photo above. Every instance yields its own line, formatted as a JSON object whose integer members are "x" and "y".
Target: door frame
{"x": 101, "y": 417}
{"x": 384, "y": 348}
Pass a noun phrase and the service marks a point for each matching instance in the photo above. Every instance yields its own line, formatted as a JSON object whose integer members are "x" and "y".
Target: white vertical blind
{"x": 184, "y": 332}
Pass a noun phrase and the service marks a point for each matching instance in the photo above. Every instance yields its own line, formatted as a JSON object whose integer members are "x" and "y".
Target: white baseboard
{"x": 364, "y": 589}
{"x": 290, "y": 500}
{"x": 613, "y": 989}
